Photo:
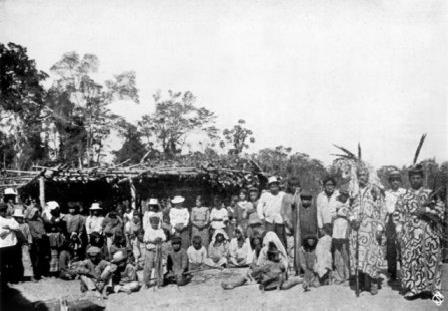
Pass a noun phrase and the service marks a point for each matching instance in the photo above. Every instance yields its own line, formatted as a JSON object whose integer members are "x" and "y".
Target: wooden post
{"x": 445, "y": 229}
{"x": 133, "y": 194}
{"x": 42, "y": 191}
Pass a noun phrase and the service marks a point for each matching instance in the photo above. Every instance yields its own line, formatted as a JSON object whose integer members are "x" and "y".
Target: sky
{"x": 303, "y": 74}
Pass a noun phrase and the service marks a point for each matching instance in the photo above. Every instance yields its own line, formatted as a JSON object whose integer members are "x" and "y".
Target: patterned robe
{"x": 368, "y": 208}
{"x": 420, "y": 246}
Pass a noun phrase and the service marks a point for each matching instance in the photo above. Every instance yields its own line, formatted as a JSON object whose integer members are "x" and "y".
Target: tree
{"x": 21, "y": 104}
{"x": 80, "y": 106}
{"x": 132, "y": 148}
{"x": 238, "y": 138}
{"x": 280, "y": 161}
{"x": 174, "y": 119}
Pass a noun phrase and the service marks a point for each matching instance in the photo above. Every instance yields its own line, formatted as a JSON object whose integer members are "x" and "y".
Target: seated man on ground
{"x": 94, "y": 272}
{"x": 124, "y": 277}
{"x": 177, "y": 264}
{"x": 218, "y": 250}
{"x": 197, "y": 254}
{"x": 307, "y": 255}
{"x": 240, "y": 253}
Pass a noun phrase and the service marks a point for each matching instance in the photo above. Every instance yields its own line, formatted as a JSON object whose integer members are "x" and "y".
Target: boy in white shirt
{"x": 153, "y": 239}
{"x": 196, "y": 254}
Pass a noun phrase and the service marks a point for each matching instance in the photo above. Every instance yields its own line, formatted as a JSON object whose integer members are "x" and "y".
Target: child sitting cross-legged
{"x": 197, "y": 254}
{"x": 218, "y": 250}
{"x": 124, "y": 276}
{"x": 177, "y": 264}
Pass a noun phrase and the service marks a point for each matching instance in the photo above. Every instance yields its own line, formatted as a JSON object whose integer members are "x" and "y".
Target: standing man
{"x": 367, "y": 221}
{"x": 326, "y": 204}
{"x": 392, "y": 247}
{"x": 269, "y": 209}
{"x": 9, "y": 249}
{"x": 418, "y": 216}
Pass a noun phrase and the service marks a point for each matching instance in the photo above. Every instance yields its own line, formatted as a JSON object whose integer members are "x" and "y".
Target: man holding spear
{"x": 367, "y": 221}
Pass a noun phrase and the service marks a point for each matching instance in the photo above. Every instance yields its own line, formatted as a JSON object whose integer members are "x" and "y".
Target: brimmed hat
{"x": 254, "y": 219}
{"x": 18, "y": 212}
{"x": 10, "y": 191}
{"x": 153, "y": 202}
{"x": 95, "y": 207}
{"x": 52, "y": 205}
{"x": 306, "y": 194}
{"x": 273, "y": 179}
{"x": 178, "y": 199}
{"x": 93, "y": 250}
{"x": 394, "y": 174}
{"x": 119, "y": 256}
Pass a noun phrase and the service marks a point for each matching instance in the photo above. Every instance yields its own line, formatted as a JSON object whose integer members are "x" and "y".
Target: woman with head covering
{"x": 271, "y": 237}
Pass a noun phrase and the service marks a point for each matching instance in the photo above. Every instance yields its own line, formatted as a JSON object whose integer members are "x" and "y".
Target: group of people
{"x": 336, "y": 237}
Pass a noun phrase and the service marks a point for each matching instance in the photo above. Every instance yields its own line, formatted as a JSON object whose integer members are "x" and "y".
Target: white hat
{"x": 10, "y": 191}
{"x": 153, "y": 202}
{"x": 273, "y": 179}
{"x": 52, "y": 205}
{"x": 95, "y": 207}
{"x": 18, "y": 212}
{"x": 178, "y": 199}
{"x": 118, "y": 256}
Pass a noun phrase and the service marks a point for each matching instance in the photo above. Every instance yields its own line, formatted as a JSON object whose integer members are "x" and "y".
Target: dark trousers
{"x": 39, "y": 254}
{"x": 392, "y": 248}
{"x": 10, "y": 262}
{"x": 279, "y": 229}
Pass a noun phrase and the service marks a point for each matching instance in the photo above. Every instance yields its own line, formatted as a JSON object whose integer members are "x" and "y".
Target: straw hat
{"x": 273, "y": 179}
{"x": 10, "y": 191}
{"x": 118, "y": 256}
{"x": 18, "y": 212}
{"x": 52, "y": 205}
{"x": 95, "y": 207}
{"x": 178, "y": 199}
{"x": 153, "y": 202}
{"x": 93, "y": 250}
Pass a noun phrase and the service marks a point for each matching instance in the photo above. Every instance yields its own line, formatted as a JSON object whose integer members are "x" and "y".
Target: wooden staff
{"x": 295, "y": 211}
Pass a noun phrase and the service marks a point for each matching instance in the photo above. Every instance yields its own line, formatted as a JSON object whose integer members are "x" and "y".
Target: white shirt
{"x": 151, "y": 235}
{"x": 326, "y": 208}
{"x": 391, "y": 198}
{"x": 10, "y": 238}
{"x": 196, "y": 256}
{"x": 148, "y": 214}
{"x": 94, "y": 224}
{"x": 219, "y": 214}
{"x": 269, "y": 207}
{"x": 179, "y": 216}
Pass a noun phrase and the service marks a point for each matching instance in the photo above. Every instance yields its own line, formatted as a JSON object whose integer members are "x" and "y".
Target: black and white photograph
{"x": 223, "y": 155}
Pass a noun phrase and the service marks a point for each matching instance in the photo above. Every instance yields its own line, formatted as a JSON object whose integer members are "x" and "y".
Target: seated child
{"x": 71, "y": 252}
{"x": 218, "y": 250}
{"x": 240, "y": 253}
{"x": 271, "y": 275}
{"x": 153, "y": 239}
{"x": 94, "y": 272}
{"x": 307, "y": 255}
{"x": 124, "y": 277}
{"x": 324, "y": 262}
{"x": 177, "y": 264}
{"x": 197, "y": 254}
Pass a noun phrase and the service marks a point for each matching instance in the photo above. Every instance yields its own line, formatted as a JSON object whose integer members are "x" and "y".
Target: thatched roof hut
{"x": 111, "y": 184}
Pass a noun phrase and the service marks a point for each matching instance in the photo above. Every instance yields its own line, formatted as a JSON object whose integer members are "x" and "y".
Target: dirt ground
{"x": 205, "y": 293}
